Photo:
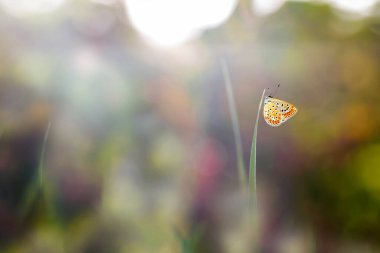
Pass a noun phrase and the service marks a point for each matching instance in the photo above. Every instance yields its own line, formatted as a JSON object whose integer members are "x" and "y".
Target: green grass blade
{"x": 235, "y": 125}
{"x": 37, "y": 185}
{"x": 189, "y": 242}
{"x": 42, "y": 155}
{"x": 252, "y": 165}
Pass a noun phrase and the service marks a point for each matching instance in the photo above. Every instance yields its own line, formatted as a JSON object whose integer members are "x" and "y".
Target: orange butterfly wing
{"x": 286, "y": 109}
{"x": 271, "y": 114}
{"x": 277, "y": 108}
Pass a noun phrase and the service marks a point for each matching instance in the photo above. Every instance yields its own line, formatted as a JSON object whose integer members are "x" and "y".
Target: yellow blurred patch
{"x": 358, "y": 122}
{"x": 367, "y": 166}
{"x": 358, "y": 69}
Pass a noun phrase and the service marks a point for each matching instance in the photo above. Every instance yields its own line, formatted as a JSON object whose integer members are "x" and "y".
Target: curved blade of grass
{"x": 190, "y": 242}
{"x": 235, "y": 125}
{"x": 42, "y": 155}
{"x": 252, "y": 165}
{"x": 37, "y": 185}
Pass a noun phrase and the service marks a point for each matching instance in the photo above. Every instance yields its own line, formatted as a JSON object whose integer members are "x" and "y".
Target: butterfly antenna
{"x": 270, "y": 94}
{"x": 275, "y": 91}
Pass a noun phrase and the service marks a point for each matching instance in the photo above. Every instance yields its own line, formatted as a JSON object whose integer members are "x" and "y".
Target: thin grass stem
{"x": 42, "y": 155}
{"x": 235, "y": 125}
{"x": 252, "y": 166}
{"x": 37, "y": 184}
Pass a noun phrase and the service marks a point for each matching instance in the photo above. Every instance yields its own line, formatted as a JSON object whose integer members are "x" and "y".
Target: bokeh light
{"x": 22, "y": 8}
{"x": 171, "y": 22}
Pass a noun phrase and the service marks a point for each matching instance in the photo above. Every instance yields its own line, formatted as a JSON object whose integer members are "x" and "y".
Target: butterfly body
{"x": 277, "y": 111}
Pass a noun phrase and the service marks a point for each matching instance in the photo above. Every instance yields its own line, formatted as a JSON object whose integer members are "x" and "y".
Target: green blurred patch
{"x": 345, "y": 198}
{"x": 366, "y": 166}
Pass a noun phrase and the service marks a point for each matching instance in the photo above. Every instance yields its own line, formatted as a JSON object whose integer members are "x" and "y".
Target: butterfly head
{"x": 267, "y": 98}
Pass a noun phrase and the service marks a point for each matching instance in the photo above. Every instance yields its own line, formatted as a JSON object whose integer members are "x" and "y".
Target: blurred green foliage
{"x": 141, "y": 138}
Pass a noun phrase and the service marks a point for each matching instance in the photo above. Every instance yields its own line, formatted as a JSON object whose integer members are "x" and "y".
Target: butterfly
{"x": 277, "y": 111}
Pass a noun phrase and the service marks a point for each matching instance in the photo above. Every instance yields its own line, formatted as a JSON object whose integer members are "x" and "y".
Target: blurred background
{"x": 140, "y": 154}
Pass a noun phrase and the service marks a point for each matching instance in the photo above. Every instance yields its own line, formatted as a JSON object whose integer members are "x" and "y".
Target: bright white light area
{"x": 264, "y": 7}
{"x": 106, "y": 2}
{"x": 361, "y": 6}
{"x": 22, "y": 8}
{"x": 168, "y": 23}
